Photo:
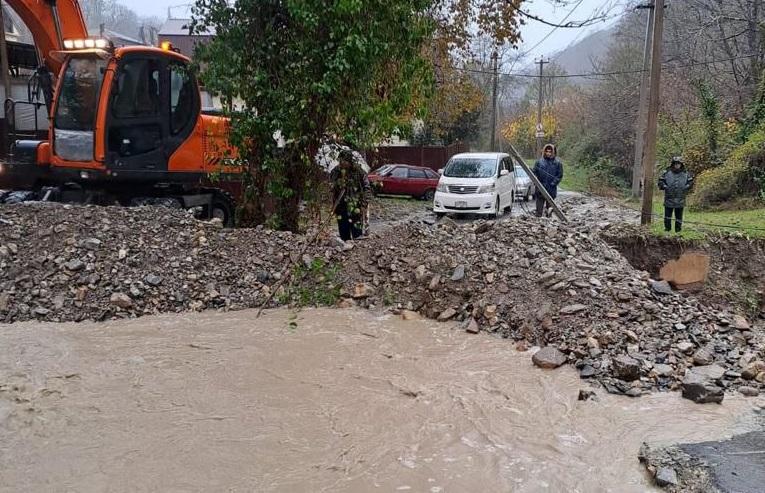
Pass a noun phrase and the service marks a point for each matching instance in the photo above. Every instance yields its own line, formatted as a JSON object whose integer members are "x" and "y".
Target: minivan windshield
{"x": 471, "y": 168}
{"x": 520, "y": 172}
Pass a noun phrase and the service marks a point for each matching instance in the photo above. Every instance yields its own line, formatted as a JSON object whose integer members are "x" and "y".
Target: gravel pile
{"x": 538, "y": 282}
{"x": 543, "y": 283}
{"x": 72, "y": 263}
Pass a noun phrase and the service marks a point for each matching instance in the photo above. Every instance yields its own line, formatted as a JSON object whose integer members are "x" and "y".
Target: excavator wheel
{"x": 224, "y": 208}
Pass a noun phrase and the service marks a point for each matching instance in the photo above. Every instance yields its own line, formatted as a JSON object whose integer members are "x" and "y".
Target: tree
{"x": 307, "y": 70}
{"x": 352, "y": 70}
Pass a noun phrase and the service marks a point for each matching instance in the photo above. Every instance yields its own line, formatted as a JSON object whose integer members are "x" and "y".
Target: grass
{"x": 575, "y": 179}
{"x": 750, "y": 222}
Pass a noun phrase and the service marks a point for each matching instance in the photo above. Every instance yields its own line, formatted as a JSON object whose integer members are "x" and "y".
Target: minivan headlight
{"x": 442, "y": 188}
{"x": 486, "y": 189}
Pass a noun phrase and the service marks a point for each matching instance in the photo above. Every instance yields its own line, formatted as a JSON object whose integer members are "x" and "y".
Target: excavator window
{"x": 137, "y": 89}
{"x": 181, "y": 98}
{"x": 76, "y": 108}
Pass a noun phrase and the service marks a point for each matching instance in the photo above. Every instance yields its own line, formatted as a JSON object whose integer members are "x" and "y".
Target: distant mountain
{"x": 578, "y": 58}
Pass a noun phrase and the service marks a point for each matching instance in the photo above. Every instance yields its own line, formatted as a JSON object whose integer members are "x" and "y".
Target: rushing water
{"x": 325, "y": 400}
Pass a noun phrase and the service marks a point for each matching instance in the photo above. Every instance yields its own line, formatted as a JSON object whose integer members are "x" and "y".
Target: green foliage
{"x": 710, "y": 113}
{"x": 755, "y": 115}
{"x": 743, "y": 174}
{"x": 308, "y": 69}
{"x": 590, "y": 168}
{"x": 314, "y": 285}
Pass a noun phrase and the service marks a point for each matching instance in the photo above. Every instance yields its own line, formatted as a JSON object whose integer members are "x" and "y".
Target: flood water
{"x": 324, "y": 400}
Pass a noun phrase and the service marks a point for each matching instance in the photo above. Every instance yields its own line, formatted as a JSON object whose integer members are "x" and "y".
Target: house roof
{"x": 180, "y": 27}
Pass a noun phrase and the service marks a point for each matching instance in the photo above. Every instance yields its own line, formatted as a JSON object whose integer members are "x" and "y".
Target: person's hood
{"x": 552, "y": 148}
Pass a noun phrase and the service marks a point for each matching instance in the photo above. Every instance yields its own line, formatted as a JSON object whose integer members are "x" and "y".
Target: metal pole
{"x": 4, "y": 51}
{"x": 540, "y": 101}
{"x": 637, "y": 168}
{"x": 649, "y": 154}
{"x": 494, "y": 58}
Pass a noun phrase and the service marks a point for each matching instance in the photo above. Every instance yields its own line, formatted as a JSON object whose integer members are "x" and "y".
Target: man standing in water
{"x": 350, "y": 196}
{"x": 549, "y": 170}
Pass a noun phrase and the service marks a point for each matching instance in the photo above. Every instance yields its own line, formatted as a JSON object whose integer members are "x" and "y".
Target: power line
{"x": 567, "y": 25}
{"x": 666, "y": 66}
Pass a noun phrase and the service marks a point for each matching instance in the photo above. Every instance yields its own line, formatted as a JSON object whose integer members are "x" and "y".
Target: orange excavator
{"x": 125, "y": 126}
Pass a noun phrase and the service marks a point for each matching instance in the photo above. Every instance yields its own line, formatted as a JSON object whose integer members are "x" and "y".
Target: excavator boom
{"x": 51, "y": 21}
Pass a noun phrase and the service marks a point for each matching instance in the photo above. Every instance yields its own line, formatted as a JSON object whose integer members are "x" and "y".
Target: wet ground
{"x": 321, "y": 400}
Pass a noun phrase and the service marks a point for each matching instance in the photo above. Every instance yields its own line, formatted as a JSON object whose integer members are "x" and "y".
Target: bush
{"x": 742, "y": 175}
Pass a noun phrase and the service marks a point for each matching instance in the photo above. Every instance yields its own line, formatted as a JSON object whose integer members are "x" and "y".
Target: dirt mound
{"x": 546, "y": 283}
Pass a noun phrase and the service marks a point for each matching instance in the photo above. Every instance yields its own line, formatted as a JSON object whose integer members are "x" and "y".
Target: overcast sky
{"x": 533, "y": 32}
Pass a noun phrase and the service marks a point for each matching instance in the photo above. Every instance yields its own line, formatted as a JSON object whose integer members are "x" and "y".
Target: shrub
{"x": 742, "y": 175}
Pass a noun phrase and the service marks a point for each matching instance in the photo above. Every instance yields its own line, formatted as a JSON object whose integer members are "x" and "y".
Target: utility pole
{"x": 495, "y": 63}
{"x": 637, "y": 168}
{"x": 540, "y": 102}
{"x": 649, "y": 153}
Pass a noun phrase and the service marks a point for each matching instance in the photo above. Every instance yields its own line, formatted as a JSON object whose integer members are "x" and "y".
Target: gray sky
{"x": 532, "y": 32}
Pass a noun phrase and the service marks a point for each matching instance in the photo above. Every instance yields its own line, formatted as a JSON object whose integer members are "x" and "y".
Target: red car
{"x": 402, "y": 179}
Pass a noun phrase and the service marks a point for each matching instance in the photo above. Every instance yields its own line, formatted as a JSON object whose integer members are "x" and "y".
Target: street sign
{"x": 540, "y": 128}
{"x": 540, "y": 134}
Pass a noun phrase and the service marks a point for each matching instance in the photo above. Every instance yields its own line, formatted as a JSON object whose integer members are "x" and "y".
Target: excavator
{"x": 126, "y": 124}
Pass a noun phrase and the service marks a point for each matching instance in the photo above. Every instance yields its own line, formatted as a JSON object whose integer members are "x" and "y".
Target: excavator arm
{"x": 51, "y": 21}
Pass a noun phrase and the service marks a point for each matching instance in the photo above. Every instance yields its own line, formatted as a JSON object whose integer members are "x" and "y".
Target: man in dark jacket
{"x": 549, "y": 170}
{"x": 676, "y": 182}
{"x": 350, "y": 196}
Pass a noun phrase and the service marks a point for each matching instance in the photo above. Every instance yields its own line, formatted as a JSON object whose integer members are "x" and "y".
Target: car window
{"x": 399, "y": 173}
{"x": 416, "y": 173}
{"x": 520, "y": 173}
{"x": 431, "y": 174}
{"x": 471, "y": 168}
{"x": 384, "y": 170}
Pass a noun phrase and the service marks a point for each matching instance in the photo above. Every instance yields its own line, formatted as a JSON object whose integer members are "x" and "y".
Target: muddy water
{"x": 324, "y": 401}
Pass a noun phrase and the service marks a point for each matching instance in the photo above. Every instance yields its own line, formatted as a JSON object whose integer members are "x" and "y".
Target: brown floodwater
{"x": 324, "y": 400}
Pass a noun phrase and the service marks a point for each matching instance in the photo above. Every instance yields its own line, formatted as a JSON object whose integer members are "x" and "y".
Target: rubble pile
{"x": 539, "y": 282}
{"x": 73, "y": 263}
{"x": 544, "y": 283}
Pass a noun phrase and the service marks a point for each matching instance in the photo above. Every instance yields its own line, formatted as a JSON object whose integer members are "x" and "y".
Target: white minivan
{"x": 476, "y": 183}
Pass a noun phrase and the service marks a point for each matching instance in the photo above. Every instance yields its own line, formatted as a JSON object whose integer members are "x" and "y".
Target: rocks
{"x": 572, "y": 309}
{"x": 587, "y": 395}
{"x": 472, "y": 327}
{"x": 152, "y": 280}
{"x": 447, "y": 314}
{"x": 703, "y": 357}
{"x": 121, "y": 300}
{"x": 626, "y": 368}
{"x": 587, "y": 371}
{"x": 360, "y": 291}
{"x": 699, "y": 389}
{"x": 752, "y": 370}
{"x": 749, "y": 391}
{"x": 661, "y": 287}
{"x": 740, "y": 323}
{"x": 685, "y": 347}
{"x": 75, "y": 265}
{"x": 666, "y": 476}
{"x": 459, "y": 273}
{"x": 548, "y": 357}
{"x": 410, "y": 315}
{"x": 663, "y": 370}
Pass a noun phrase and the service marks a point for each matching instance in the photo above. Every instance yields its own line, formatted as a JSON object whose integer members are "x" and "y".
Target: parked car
{"x": 402, "y": 179}
{"x": 476, "y": 183}
{"x": 524, "y": 187}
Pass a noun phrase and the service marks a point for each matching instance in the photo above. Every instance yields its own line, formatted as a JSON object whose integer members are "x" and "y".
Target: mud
{"x": 321, "y": 400}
